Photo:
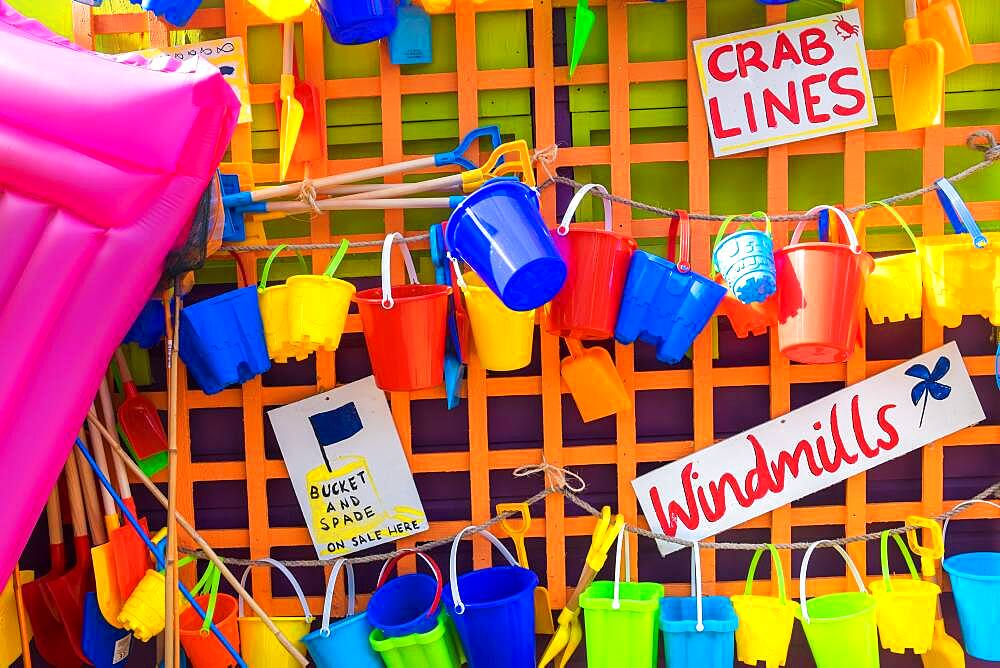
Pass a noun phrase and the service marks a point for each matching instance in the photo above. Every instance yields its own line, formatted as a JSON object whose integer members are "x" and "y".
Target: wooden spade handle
{"x": 108, "y": 413}
{"x": 53, "y": 515}
{"x": 97, "y": 449}
{"x": 92, "y": 505}
{"x": 122, "y": 366}
{"x": 75, "y": 497}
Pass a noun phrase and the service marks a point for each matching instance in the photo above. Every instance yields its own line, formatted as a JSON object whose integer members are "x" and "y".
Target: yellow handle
{"x": 928, "y": 553}
{"x": 516, "y": 533}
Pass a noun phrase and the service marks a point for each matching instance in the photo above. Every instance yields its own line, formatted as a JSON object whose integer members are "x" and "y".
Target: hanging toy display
{"x": 894, "y": 290}
{"x": 765, "y": 625}
{"x": 746, "y": 260}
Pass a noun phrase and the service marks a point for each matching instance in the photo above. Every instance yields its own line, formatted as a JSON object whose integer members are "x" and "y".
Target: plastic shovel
{"x": 543, "y": 608}
{"x": 311, "y": 142}
{"x": 585, "y": 19}
{"x": 945, "y": 651}
{"x": 942, "y": 21}
{"x": 917, "y": 74}
{"x": 592, "y": 379}
{"x": 291, "y": 109}
{"x": 454, "y": 369}
{"x": 138, "y": 416}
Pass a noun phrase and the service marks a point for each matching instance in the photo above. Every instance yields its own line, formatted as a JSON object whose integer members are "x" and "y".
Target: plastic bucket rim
{"x": 301, "y": 278}
{"x": 446, "y": 593}
{"x": 218, "y": 619}
{"x": 454, "y": 220}
{"x": 952, "y": 571}
{"x": 869, "y": 606}
{"x": 428, "y": 290}
{"x": 389, "y": 586}
{"x": 594, "y": 231}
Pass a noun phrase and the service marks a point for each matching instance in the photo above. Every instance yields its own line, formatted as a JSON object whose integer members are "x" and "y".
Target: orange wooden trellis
{"x": 625, "y": 453}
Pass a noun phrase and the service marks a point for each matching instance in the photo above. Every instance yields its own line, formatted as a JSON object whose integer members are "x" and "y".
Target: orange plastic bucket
{"x": 404, "y": 327}
{"x": 747, "y": 319}
{"x": 203, "y": 649}
{"x": 820, "y": 286}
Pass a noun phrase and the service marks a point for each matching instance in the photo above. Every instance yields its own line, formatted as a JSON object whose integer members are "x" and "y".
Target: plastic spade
{"x": 291, "y": 109}
{"x": 585, "y": 19}
{"x": 543, "y": 607}
{"x": 945, "y": 651}
{"x": 592, "y": 379}
{"x": 138, "y": 416}
{"x": 917, "y": 74}
{"x": 942, "y": 21}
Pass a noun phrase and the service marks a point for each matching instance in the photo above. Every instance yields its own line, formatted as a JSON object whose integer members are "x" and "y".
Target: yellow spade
{"x": 917, "y": 74}
{"x": 291, "y": 109}
{"x": 517, "y": 532}
{"x": 945, "y": 651}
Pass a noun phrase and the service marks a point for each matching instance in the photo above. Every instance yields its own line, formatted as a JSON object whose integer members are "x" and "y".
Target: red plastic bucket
{"x": 404, "y": 327}
{"x": 820, "y": 290}
{"x": 202, "y": 648}
{"x": 597, "y": 261}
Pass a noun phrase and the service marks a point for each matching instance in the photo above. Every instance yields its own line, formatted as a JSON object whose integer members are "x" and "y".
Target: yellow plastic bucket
{"x": 905, "y": 608}
{"x": 503, "y": 337}
{"x": 281, "y": 10}
{"x": 318, "y": 305}
{"x": 144, "y": 613}
{"x": 259, "y": 647}
{"x": 274, "y": 311}
{"x": 894, "y": 290}
{"x": 765, "y": 629}
{"x": 959, "y": 278}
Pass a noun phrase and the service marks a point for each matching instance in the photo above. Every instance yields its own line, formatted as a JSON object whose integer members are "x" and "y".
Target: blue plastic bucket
{"x": 746, "y": 260}
{"x": 358, "y": 21}
{"x": 343, "y": 644}
{"x": 149, "y": 327}
{"x": 222, "y": 340}
{"x": 104, "y": 645}
{"x": 494, "y": 611}
{"x": 499, "y": 231}
{"x": 713, "y": 647}
{"x": 408, "y": 604}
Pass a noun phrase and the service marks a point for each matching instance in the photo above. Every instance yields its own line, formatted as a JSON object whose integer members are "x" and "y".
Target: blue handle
{"x": 958, "y": 213}
{"x": 130, "y": 518}
{"x": 824, "y": 225}
{"x": 457, "y": 156}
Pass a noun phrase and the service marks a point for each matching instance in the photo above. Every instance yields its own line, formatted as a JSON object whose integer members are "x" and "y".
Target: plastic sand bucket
{"x": 274, "y": 312}
{"x": 747, "y": 319}
{"x": 404, "y": 327}
{"x": 104, "y": 645}
{"x": 343, "y": 644}
{"x": 598, "y": 263}
{"x": 498, "y": 231}
{"x": 746, "y": 260}
{"x": 666, "y": 304}
{"x": 144, "y": 612}
{"x": 149, "y": 327}
{"x": 202, "y": 648}
{"x": 493, "y": 610}
{"x": 318, "y": 305}
{"x": 503, "y": 338}
{"x": 765, "y": 629}
{"x": 407, "y": 604}
{"x": 434, "y": 649}
{"x": 894, "y": 289}
{"x": 358, "y": 21}
{"x": 281, "y": 10}
{"x": 623, "y": 627}
{"x": 840, "y": 628}
{"x": 904, "y": 608}
{"x": 820, "y": 286}
{"x": 975, "y": 582}
{"x": 259, "y": 647}
{"x": 698, "y": 631}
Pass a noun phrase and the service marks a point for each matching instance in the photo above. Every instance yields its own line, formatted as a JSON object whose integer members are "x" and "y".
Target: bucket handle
{"x": 725, "y": 227}
{"x": 459, "y": 278}
{"x": 895, "y": 214}
{"x": 682, "y": 222}
{"x": 776, "y": 560}
{"x": 964, "y": 504}
{"x": 390, "y": 239}
{"x": 291, "y": 578}
{"x": 574, "y": 204}
{"x": 844, "y": 221}
{"x": 331, "y": 268}
{"x": 383, "y": 575}
{"x": 884, "y": 548}
{"x": 696, "y": 589}
{"x": 338, "y": 565}
{"x": 210, "y": 581}
{"x": 805, "y": 566}
{"x": 270, "y": 260}
{"x": 622, "y": 542}
{"x": 453, "y": 559}
{"x": 958, "y": 213}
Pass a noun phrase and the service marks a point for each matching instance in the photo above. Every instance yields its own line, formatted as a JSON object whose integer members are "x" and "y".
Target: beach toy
{"x": 493, "y": 609}
{"x": 404, "y": 327}
{"x": 15, "y": 629}
{"x": 354, "y": 22}
{"x": 666, "y": 304}
{"x": 840, "y": 628}
{"x": 200, "y": 646}
{"x": 410, "y": 41}
{"x": 698, "y": 631}
{"x": 745, "y": 259}
{"x": 621, "y": 617}
{"x": 499, "y": 232}
{"x": 318, "y": 305}
{"x": 149, "y": 327}
{"x": 747, "y": 319}
{"x": 942, "y": 21}
{"x": 765, "y": 623}
{"x": 274, "y": 313}
{"x": 503, "y": 338}
{"x": 975, "y": 582}
{"x": 583, "y": 25}
{"x": 292, "y": 111}
{"x": 820, "y": 286}
{"x": 343, "y": 644}
{"x": 281, "y": 10}
{"x": 904, "y": 608}
{"x": 138, "y": 415}
{"x": 597, "y": 264}
{"x": 144, "y": 612}
{"x": 177, "y": 12}
{"x": 894, "y": 290}
{"x": 543, "y": 607}
{"x": 260, "y": 647}
{"x": 457, "y": 341}
{"x": 103, "y": 644}
{"x": 436, "y": 648}
{"x": 593, "y": 382}
{"x": 407, "y": 604}
{"x": 916, "y": 70}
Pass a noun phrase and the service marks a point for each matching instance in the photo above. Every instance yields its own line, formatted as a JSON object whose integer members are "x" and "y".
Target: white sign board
{"x": 785, "y": 83}
{"x": 348, "y": 469}
{"x": 850, "y": 431}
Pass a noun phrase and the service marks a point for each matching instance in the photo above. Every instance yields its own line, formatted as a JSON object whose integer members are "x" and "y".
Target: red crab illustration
{"x": 846, "y": 29}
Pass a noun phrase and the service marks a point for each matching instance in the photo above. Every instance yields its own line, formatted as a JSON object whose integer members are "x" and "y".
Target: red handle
{"x": 681, "y": 223}
{"x": 387, "y": 568}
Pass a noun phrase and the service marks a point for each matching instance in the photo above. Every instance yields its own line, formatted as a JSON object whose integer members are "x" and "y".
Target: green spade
{"x": 585, "y": 19}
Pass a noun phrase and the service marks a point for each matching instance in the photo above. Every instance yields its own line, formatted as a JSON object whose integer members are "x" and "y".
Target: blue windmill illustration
{"x": 930, "y": 385}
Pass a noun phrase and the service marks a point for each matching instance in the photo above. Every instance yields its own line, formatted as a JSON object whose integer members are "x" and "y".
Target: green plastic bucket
{"x": 840, "y": 628}
{"x": 622, "y": 619}
{"x": 436, "y": 648}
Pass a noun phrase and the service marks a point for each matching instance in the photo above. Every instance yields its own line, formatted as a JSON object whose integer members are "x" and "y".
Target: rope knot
{"x": 545, "y": 157}
{"x": 556, "y": 477}
{"x": 307, "y": 195}
{"x": 983, "y": 140}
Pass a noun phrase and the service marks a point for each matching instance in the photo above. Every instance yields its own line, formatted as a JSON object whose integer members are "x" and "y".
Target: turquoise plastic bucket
{"x": 343, "y": 644}
{"x": 408, "y": 604}
{"x": 746, "y": 260}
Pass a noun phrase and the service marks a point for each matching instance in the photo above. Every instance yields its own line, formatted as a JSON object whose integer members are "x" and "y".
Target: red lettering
{"x": 689, "y": 519}
{"x": 859, "y": 430}
{"x": 772, "y": 102}
{"x": 887, "y": 427}
{"x": 838, "y": 441}
{"x": 839, "y": 89}
{"x": 831, "y": 466}
{"x": 750, "y": 54}
{"x": 715, "y": 69}
{"x": 814, "y": 39}
{"x": 718, "y": 492}
{"x": 717, "y": 129}
{"x": 811, "y": 100}
{"x": 784, "y": 50}
{"x": 790, "y": 463}
{"x": 758, "y": 481}
{"x": 751, "y": 114}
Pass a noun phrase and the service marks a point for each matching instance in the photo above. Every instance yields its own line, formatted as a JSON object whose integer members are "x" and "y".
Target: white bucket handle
{"x": 390, "y": 239}
{"x": 291, "y": 578}
{"x": 841, "y": 216}
{"x": 574, "y": 204}
{"x": 459, "y": 278}
{"x": 453, "y": 565}
{"x": 621, "y": 542}
{"x": 696, "y": 589}
{"x": 330, "y": 586}
{"x": 805, "y": 565}
{"x": 964, "y": 504}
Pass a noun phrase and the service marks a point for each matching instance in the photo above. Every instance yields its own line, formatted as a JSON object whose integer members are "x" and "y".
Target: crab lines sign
{"x": 785, "y": 83}
{"x": 850, "y": 431}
